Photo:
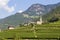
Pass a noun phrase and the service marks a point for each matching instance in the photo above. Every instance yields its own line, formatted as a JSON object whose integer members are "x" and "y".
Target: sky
{"x": 10, "y": 7}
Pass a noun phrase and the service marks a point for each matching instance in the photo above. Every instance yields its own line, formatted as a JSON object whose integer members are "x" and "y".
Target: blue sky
{"x": 10, "y": 7}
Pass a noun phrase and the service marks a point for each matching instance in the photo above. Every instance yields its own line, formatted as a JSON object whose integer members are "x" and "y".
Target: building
{"x": 11, "y": 27}
{"x": 40, "y": 21}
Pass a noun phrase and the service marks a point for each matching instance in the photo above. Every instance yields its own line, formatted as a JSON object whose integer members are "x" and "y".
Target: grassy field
{"x": 51, "y": 30}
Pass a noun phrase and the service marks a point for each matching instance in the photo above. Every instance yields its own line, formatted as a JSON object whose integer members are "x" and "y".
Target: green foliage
{"x": 53, "y": 13}
{"x": 31, "y": 25}
{"x": 51, "y": 30}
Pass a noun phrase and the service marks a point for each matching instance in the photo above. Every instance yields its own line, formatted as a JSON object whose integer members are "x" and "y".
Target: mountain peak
{"x": 36, "y": 7}
{"x": 37, "y": 4}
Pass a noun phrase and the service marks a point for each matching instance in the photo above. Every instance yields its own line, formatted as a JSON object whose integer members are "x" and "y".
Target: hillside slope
{"x": 45, "y": 31}
{"x": 55, "y": 13}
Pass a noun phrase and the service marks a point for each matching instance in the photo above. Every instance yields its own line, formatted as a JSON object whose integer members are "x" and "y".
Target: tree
{"x": 31, "y": 24}
{"x": 53, "y": 19}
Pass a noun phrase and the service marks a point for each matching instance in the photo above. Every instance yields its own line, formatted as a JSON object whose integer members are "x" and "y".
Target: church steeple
{"x": 40, "y": 18}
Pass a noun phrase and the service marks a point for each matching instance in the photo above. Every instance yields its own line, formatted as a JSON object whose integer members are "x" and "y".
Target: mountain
{"x": 53, "y": 14}
{"x": 35, "y": 9}
{"x": 31, "y": 14}
{"x": 13, "y": 20}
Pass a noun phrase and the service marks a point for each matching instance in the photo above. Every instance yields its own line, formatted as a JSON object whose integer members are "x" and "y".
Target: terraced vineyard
{"x": 44, "y": 31}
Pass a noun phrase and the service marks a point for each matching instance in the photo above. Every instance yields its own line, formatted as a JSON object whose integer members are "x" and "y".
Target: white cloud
{"x": 9, "y": 9}
{"x": 20, "y": 11}
{"x": 4, "y": 5}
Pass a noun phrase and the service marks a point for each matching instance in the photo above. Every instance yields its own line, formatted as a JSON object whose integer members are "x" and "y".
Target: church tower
{"x": 40, "y": 17}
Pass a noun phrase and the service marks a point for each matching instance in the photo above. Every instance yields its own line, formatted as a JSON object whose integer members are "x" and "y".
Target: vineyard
{"x": 43, "y": 32}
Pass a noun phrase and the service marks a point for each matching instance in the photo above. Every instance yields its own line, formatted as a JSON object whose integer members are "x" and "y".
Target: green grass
{"x": 51, "y": 30}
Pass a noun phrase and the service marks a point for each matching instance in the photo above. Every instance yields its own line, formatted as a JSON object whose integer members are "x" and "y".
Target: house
{"x": 40, "y": 21}
{"x": 11, "y": 27}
